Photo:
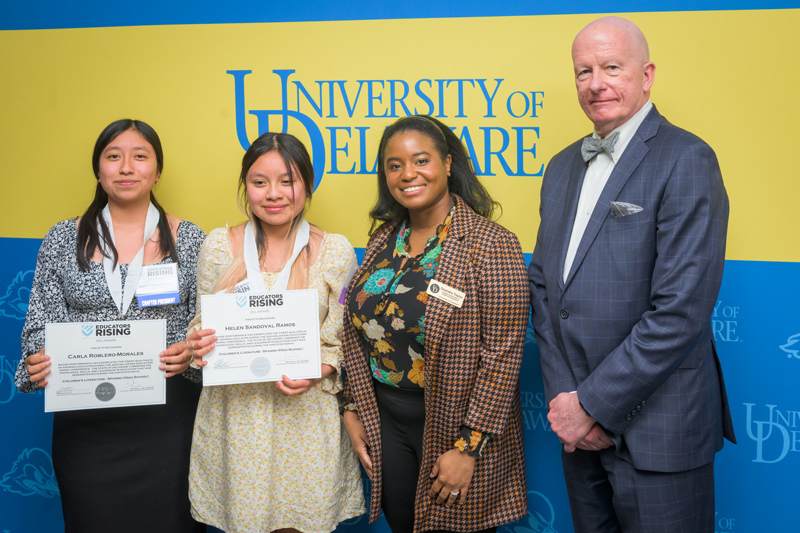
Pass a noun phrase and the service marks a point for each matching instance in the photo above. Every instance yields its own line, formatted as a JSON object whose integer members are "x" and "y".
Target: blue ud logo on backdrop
{"x": 241, "y": 301}
{"x": 541, "y": 516}
{"x": 792, "y": 346}
{"x": 723, "y": 523}
{"x": 775, "y": 435}
{"x": 14, "y": 303}
{"x": 31, "y": 475}
{"x": 513, "y": 149}
{"x": 724, "y": 322}
{"x": 534, "y": 406}
{"x": 8, "y": 389}
{"x": 87, "y": 330}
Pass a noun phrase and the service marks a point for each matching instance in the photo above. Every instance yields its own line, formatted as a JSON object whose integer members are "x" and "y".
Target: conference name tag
{"x": 437, "y": 289}
{"x": 158, "y": 285}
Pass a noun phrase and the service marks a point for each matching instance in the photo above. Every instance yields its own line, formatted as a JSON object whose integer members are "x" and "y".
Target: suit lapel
{"x": 623, "y": 170}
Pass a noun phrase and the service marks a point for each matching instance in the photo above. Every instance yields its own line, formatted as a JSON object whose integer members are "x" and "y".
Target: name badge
{"x": 158, "y": 285}
{"x": 437, "y": 289}
{"x": 242, "y": 286}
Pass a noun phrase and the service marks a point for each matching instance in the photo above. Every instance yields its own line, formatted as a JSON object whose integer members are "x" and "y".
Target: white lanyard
{"x": 113, "y": 273}
{"x": 254, "y": 277}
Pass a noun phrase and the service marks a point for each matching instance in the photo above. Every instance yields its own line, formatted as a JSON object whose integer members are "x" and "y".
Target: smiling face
{"x": 274, "y": 196}
{"x": 613, "y": 74}
{"x": 416, "y": 174}
{"x": 127, "y": 168}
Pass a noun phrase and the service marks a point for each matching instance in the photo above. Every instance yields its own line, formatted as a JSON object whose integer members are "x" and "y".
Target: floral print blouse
{"x": 388, "y": 310}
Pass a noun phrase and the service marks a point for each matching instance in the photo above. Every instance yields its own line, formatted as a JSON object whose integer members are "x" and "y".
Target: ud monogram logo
{"x": 350, "y": 148}
{"x": 776, "y": 436}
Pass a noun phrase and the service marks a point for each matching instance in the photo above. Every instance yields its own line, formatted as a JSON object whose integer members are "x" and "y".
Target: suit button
{"x": 628, "y": 417}
{"x": 564, "y": 313}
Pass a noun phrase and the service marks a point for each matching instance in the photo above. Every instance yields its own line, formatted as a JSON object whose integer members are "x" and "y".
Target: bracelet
{"x": 349, "y": 406}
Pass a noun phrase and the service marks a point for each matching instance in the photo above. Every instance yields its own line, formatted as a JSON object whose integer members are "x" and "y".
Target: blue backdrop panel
{"x": 29, "y": 500}
{"x": 758, "y": 338}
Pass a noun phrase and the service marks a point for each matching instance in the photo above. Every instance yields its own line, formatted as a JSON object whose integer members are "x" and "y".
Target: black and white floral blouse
{"x": 62, "y": 292}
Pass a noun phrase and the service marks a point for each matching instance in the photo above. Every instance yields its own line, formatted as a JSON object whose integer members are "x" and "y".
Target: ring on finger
{"x": 455, "y": 493}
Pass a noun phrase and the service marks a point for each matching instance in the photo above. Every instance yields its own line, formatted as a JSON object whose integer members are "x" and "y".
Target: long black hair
{"x": 462, "y": 180}
{"x": 89, "y": 238}
{"x": 294, "y": 155}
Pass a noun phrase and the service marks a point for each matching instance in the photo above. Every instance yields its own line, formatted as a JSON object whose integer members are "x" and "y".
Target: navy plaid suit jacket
{"x": 630, "y": 329}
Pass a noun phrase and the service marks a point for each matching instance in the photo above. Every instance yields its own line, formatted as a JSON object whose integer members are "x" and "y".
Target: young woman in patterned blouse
{"x": 120, "y": 469}
{"x": 435, "y": 327}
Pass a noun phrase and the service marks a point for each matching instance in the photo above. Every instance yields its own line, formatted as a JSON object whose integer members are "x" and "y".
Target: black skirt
{"x": 127, "y": 469}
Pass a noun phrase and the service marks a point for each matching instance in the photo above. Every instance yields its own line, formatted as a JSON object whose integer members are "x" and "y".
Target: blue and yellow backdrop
{"x": 209, "y": 76}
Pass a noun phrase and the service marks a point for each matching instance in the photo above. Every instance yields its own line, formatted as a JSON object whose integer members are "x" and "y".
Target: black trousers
{"x": 402, "y": 415}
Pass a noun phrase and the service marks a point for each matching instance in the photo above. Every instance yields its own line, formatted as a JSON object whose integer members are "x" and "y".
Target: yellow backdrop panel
{"x": 726, "y": 76}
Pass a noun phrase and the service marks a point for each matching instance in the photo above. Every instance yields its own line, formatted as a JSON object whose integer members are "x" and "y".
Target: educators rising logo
{"x": 87, "y": 330}
{"x": 775, "y": 432}
{"x": 241, "y": 301}
{"x": 112, "y": 330}
{"x": 266, "y": 300}
{"x": 344, "y": 119}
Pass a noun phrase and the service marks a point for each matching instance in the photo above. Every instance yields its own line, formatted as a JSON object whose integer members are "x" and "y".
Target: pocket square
{"x": 623, "y": 209}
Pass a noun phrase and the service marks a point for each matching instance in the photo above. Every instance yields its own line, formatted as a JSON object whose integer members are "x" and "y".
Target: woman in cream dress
{"x": 271, "y": 456}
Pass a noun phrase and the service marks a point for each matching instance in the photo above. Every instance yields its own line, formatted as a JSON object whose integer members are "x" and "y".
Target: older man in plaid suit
{"x": 626, "y": 271}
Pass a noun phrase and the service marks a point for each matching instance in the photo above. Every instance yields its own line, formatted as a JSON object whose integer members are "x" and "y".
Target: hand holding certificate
{"x": 104, "y": 364}
{"x": 262, "y": 336}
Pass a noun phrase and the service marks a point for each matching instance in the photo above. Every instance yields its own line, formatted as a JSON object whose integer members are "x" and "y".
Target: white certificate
{"x": 104, "y": 364}
{"x": 262, "y": 336}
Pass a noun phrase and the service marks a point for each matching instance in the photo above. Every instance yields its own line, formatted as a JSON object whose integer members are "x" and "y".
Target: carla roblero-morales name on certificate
{"x": 104, "y": 364}
{"x": 262, "y": 336}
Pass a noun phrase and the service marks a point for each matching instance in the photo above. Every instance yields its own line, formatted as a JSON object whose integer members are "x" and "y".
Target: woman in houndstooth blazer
{"x": 435, "y": 323}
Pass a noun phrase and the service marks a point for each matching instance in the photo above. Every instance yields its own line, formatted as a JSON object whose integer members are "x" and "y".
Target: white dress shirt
{"x": 597, "y": 174}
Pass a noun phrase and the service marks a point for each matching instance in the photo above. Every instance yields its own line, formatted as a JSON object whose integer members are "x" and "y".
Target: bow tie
{"x": 591, "y": 146}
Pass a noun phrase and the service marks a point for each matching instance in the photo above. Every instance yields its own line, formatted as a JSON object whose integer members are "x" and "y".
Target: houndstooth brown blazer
{"x": 472, "y": 361}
